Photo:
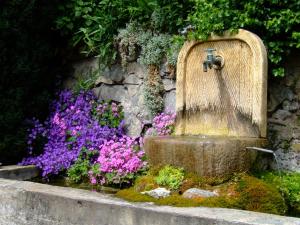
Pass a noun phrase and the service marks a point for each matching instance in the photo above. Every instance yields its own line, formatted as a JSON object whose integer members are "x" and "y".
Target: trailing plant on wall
{"x": 150, "y": 48}
{"x": 276, "y": 22}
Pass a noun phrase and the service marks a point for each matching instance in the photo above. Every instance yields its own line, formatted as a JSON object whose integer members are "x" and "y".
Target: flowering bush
{"x": 108, "y": 114}
{"x": 71, "y": 127}
{"x": 118, "y": 161}
{"x": 163, "y": 124}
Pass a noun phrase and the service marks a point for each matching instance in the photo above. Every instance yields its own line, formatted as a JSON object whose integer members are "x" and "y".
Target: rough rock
{"x": 132, "y": 79}
{"x": 170, "y": 101}
{"x": 278, "y": 94}
{"x": 103, "y": 80}
{"x": 287, "y": 160}
{"x": 198, "y": 193}
{"x": 281, "y": 114}
{"x": 115, "y": 73}
{"x": 137, "y": 69}
{"x": 158, "y": 193}
{"x": 114, "y": 92}
{"x": 292, "y": 106}
{"x": 169, "y": 84}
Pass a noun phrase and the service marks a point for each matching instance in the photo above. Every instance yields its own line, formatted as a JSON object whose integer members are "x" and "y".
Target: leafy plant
{"x": 163, "y": 124}
{"x": 289, "y": 185}
{"x": 176, "y": 44}
{"x": 276, "y": 22}
{"x": 154, "y": 48}
{"x": 108, "y": 113}
{"x": 70, "y": 128}
{"x": 118, "y": 163}
{"x": 78, "y": 172}
{"x": 170, "y": 176}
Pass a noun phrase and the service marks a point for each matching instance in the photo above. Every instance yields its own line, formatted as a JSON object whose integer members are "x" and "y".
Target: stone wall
{"x": 126, "y": 86}
{"x": 284, "y": 115}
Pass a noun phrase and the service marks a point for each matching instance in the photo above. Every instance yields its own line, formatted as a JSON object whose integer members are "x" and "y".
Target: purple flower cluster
{"x": 70, "y": 128}
{"x": 163, "y": 124}
{"x": 118, "y": 161}
{"x": 109, "y": 113}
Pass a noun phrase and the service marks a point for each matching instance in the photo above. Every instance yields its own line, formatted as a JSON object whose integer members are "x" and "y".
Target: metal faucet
{"x": 211, "y": 60}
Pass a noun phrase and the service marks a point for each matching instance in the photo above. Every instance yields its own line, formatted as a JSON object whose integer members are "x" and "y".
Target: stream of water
{"x": 271, "y": 152}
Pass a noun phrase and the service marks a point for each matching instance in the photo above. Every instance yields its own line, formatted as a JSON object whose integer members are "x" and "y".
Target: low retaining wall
{"x": 15, "y": 172}
{"x": 27, "y": 203}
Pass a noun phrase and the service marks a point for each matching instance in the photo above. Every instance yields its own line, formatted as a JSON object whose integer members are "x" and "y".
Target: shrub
{"x": 118, "y": 162}
{"x": 171, "y": 177}
{"x": 163, "y": 124}
{"x": 276, "y": 22}
{"x": 289, "y": 185}
{"x": 256, "y": 195}
{"x": 70, "y": 128}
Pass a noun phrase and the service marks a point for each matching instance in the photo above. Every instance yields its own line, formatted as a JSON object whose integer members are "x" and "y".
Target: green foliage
{"x": 154, "y": 48}
{"x": 29, "y": 62}
{"x": 128, "y": 42}
{"x": 92, "y": 24}
{"x": 171, "y": 177}
{"x": 288, "y": 185}
{"x": 78, "y": 172}
{"x": 176, "y": 44}
{"x": 108, "y": 113}
{"x": 84, "y": 82}
{"x": 276, "y": 22}
{"x": 256, "y": 195}
{"x": 241, "y": 192}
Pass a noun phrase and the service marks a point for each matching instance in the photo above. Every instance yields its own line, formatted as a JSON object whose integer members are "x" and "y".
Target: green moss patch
{"x": 241, "y": 191}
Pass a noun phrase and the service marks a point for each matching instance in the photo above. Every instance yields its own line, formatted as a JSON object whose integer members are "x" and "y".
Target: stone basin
{"x": 203, "y": 155}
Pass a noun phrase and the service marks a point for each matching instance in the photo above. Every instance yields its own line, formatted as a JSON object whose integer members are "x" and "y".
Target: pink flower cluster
{"x": 163, "y": 124}
{"x": 118, "y": 161}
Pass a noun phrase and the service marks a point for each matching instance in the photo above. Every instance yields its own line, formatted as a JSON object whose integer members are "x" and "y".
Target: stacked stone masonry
{"x": 126, "y": 86}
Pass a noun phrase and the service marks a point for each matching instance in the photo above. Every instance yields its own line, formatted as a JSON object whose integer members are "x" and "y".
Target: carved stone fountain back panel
{"x": 230, "y": 101}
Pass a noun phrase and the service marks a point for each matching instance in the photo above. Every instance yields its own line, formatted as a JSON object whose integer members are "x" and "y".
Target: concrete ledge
{"x": 15, "y": 172}
{"x": 27, "y": 203}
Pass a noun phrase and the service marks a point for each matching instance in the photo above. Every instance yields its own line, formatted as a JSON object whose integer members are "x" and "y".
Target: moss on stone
{"x": 145, "y": 183}
{"x": 133, "y": 196}
{"x": 240, "y": 192}
{"x": 256, "y": 195}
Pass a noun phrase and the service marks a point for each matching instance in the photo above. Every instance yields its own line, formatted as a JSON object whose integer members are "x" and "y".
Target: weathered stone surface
{"x": 230, "y": 101}
{"x": 287, "y": 160}
{"x": 132, "y": 79}
{"x": 169, "y": 84}
{"x": 113, "y": 92}
{"x": 86, "y": 67}
{"x": 278, "y": 94}
{"x": 15, "y": 172}
{"x": 281, "y": 114}
{"x": 203, "y": 155}
{"x": 103, "y": 80}
{"x": 292, "y": 106}
{"x": 170, "y": 101}
{"x": 198, "y": 193}
{"x": 158, "y": 193}
{"x": 115, "y": 73}
{"x": 137, "y": 69}
{"x": 27, "y": 203}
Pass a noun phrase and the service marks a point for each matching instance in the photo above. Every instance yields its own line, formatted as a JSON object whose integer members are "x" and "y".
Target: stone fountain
{"x": 221, "y": 106}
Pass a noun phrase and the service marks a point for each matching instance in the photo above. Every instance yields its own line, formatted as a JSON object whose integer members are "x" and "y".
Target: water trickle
{"x": 271, "y": 152}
